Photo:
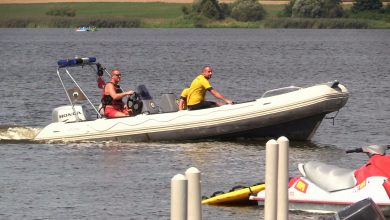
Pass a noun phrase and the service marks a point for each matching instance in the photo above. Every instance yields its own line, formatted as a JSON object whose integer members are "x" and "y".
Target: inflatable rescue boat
{"x": 294, "y": 112}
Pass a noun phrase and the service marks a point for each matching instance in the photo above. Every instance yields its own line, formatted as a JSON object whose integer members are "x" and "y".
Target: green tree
{"x": 208, "y": 8}
{"x": 317, "y": 8}
{"x": 247, "y": 10}
{"x": 366, "y": 5}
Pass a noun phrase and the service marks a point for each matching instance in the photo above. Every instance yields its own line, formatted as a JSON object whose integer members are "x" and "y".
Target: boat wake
{"x": 17, "y": 134}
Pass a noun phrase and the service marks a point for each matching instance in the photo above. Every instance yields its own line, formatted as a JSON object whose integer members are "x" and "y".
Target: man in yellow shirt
{"x": 197, "y": 91}
{"x": 183, "y": 99}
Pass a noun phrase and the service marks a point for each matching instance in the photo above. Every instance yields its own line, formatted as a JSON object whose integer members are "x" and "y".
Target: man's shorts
{"x": 202, "y": 105}
{"x": 110, "y": 112}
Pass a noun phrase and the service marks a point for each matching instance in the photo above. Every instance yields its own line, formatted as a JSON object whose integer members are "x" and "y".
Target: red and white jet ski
{"x": 327, "y": 188}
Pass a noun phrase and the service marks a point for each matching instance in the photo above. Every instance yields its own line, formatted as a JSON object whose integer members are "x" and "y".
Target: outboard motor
{"x": 71, "y": 114}
{"x": 68, "y": 114}
{"x": 169, "y": 103}
{"x": 148, "y": 105}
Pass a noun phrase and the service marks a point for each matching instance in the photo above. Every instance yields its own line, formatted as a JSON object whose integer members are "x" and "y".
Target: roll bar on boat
{"x": 77, "y": 62}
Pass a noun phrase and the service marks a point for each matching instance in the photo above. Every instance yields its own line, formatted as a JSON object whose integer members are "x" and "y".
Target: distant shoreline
{"x": 118, "y": 1}
{"x": 264, "y": 2}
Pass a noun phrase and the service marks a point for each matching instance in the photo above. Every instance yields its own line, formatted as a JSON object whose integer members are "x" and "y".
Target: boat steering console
{"x": 134, "y": 103}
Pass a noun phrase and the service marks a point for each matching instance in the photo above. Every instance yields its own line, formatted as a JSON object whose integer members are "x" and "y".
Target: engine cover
{"x": 68, "y": 114}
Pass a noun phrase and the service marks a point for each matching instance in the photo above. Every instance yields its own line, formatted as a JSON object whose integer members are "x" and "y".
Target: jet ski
{"x": 325, "y": 188}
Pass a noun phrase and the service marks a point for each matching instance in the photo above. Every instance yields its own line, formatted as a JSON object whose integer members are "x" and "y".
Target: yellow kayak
{"x": 235, "y": 197}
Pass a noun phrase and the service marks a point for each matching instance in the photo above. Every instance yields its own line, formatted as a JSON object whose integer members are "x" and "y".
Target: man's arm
{"x": 181, "y": 104}
{"x": 218, "y": 95}
{"x": 114, "y": 94}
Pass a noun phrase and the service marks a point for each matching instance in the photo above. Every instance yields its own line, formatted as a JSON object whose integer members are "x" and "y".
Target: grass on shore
{"x": 153, "y": 15}
{"x": 14, "y": 15}
{"x": 130, "y": 10}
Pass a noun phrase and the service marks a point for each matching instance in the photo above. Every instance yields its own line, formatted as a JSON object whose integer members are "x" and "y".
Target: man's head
{"x": 207, "y": 72}
{"x": 116, "y": 75}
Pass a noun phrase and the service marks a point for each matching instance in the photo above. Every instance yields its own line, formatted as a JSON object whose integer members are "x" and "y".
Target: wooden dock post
{"x": 282, "y": 211}
{"x": 194, "y": 194}
{"x": 179, "y": 197}
{"x": 271, "y": 175}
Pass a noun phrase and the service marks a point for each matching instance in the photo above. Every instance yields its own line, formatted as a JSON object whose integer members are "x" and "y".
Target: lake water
{"x": 111, "y": 180}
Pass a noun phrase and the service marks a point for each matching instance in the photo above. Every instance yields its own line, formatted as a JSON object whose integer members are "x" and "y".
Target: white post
{"x": 283, "y": 178}
{"x": 271, "y": 175}
{"x": 179, "y": 197}
{"x": 194, "y": 194}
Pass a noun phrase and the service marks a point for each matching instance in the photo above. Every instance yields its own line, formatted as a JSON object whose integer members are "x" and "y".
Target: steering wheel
{"x": 134, "y": 103}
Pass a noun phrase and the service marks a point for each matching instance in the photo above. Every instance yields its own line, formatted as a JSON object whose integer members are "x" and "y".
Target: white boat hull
{"x": 295, "y": 115}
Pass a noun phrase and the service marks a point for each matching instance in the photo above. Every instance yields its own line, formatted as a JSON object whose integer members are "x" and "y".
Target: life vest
{"x": 378, "y": 165}
{"x": 108, "y": 100}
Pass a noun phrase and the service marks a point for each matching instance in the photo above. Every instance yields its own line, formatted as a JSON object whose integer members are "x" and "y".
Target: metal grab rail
{"x": 77, "y": 85}
{"x": 288, "y": 89}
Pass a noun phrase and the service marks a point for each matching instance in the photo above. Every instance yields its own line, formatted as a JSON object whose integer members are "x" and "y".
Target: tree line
{"x": 252, "y": 10}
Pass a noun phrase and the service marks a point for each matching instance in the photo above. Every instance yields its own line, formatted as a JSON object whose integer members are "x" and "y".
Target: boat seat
{"x": 329, "y": 177}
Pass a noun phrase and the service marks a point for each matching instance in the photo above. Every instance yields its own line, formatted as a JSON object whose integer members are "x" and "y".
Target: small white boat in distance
{"x": 293, "y": 112}
{"x": 88, "y": 28}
